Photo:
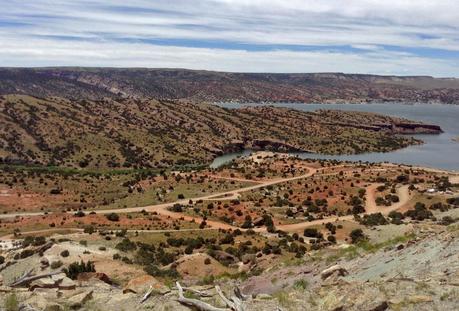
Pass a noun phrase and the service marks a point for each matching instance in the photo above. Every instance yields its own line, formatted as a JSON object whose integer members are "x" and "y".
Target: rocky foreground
{"x": 419, "y": 272}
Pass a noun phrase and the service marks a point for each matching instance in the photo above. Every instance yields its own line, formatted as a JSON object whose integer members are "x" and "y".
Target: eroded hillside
{"x": 160, "y": 133}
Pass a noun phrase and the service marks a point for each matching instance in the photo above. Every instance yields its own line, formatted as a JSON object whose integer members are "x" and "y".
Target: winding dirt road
{"x": 162, "y": 209}
{"x": 402, "y": 192}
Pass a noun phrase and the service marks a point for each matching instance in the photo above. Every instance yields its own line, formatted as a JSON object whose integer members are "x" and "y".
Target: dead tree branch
{"x": 198, "y": 304}
{"x": 26, "y": 279}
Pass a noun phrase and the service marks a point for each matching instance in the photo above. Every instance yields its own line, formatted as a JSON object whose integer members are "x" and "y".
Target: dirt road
{"x": 402, "y": 192}
{"x": 162, "y": 209}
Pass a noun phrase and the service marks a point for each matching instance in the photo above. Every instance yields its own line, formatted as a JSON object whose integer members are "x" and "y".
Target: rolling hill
{"x": 161, "y": 133}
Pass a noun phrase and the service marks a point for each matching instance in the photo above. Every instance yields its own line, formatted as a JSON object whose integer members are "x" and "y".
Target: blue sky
{"x": 360, "y": 36}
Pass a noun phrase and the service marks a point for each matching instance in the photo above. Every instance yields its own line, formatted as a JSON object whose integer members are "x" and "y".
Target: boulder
{"x": 224, "y": 256}
{"x": 142, "y": 284}
{"x": 43, "y": 283}
{"x": 333, "y": 270}
{"x": 58, "y": 277}
{"x": 77, "y": 301}
{"x": 86, "y": 276}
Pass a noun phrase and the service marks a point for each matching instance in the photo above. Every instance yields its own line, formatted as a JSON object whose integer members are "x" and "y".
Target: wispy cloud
{"x": 367, "y": 36}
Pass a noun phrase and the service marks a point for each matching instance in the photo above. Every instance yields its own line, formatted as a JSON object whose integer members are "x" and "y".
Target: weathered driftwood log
{"x": 228, "y": 302}
{"x": 240, "y": 295}
{"x": 197, "y": 292}
{"x": 235, "y": 303}
{"x": 26, "y": 279}
{"x": 147, "y": 294}
{"x": 332, "y": 270}
{"x": 198, "y": 304}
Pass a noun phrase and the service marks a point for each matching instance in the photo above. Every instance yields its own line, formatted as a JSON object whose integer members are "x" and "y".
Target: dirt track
{"x": 402, "y": 192}
{"x": 162, "y": 209}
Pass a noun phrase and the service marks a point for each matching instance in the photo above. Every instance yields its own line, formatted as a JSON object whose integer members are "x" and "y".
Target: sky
{"x": 403, "y": 37}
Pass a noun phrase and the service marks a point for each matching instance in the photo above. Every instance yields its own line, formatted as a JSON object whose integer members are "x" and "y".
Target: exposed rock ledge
{"x": 397, "y": 128}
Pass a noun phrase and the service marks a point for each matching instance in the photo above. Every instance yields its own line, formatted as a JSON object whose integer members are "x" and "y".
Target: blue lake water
{"x": 438, "y": 151}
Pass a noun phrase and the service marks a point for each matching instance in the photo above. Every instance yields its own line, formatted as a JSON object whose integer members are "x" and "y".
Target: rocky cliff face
{"x": 98, "y": 83}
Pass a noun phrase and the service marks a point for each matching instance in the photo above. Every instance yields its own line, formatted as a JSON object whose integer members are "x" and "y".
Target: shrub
{"x": 39, "y": 240}
{"x": 357, "y": 235}
{"x": 113, "y": 217}
{"x": 301, "y": 284}
{"x": 76, "y": 268}
{"x": 312, "y": 233}
{"x": 381, "y": 188}
{"x": 402, "y": 178}
{"x": 126, "y": 245}
{"x": 447, "y": 220}
{"x": 207, "y": 261}
{"x": 227, "y": 239}
{"x": 376, "y": 219}
{"x": 26, "y": 253}
{"x": 420, "y": 212}
{"x": 65, "y": 253}
{"x": 121, "y": 233}
{"x": 56, "y": 264}
{"x": 153, "y": 270}
{"x": 89, "y": 230}
{"x": 79, "y": 214}
{"x": 177, "y": 208}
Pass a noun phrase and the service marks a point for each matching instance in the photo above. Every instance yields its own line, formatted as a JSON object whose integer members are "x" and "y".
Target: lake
{"x": 438, "y": 151}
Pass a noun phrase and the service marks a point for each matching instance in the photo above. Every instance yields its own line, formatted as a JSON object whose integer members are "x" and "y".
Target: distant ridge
{"x": 211, "y": 86}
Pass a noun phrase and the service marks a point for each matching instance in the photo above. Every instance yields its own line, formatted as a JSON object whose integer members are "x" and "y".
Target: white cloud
{"x": 51, "y": 53}
{"x": 366, "y": 25}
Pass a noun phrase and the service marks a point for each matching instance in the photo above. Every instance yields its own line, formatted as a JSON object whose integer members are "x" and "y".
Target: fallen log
{"x": 197, "y": 292}
{"x": 26, "y": 279}
{"x": 228, "y": 302}
{"x": 240, "y": 295}
{"x": 147, "y": 294}
{"x": 195, "y": 303}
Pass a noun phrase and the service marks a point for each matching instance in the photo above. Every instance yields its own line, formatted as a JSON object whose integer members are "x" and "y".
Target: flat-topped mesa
{"x": 416, "y": 128}
{"x": 210, "y": 86}
{"x": 396, "y": 128}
